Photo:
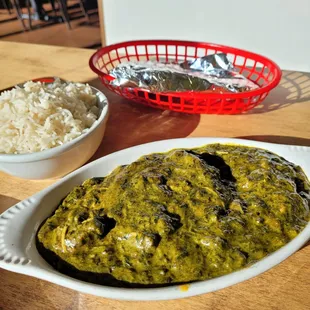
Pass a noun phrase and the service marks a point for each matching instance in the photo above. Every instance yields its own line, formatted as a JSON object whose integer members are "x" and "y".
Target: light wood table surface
{"x": 283, "y": 118}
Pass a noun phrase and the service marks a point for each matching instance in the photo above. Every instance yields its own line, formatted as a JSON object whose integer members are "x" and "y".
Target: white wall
{"x": 277, "y": 29}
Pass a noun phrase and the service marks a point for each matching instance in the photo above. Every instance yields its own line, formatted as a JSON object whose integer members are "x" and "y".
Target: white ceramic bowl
{"x": 60, "y": 160}
{"x": 19, "y": 224}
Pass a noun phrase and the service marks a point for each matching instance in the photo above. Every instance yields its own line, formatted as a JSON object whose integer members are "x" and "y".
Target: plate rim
{"x": 170, "y": 292}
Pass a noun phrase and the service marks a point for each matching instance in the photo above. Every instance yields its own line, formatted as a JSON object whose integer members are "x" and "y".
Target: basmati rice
{"x": 40, "y": 116}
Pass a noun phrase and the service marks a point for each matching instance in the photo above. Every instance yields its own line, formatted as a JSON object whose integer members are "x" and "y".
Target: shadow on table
{"x": 131, "y": 124}
{"x": 304, "y": 246}
{"x": 293, "y": 88}
{"x": 7, "y": 202}
{"x": 278, "y": 139}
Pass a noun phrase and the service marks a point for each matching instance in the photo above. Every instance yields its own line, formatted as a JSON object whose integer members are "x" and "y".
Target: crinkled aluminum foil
{"x": 213, "y": 73}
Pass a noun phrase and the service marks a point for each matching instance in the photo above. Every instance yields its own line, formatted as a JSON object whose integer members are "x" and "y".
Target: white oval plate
{"x": 18, "y": 225}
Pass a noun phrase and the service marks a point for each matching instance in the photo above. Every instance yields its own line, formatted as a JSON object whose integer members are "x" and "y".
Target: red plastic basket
{"x": 257, "y": 68}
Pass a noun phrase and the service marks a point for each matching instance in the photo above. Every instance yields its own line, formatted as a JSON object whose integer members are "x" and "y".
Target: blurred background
{"x": 73, "y": 23}
{"x": 277, "y": 29}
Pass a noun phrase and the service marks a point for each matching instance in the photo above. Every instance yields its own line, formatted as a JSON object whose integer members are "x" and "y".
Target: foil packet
{"x": 212, "y": 73}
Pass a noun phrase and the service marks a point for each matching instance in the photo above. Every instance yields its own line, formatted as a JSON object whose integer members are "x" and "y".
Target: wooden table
{"x": 283, "y": 118}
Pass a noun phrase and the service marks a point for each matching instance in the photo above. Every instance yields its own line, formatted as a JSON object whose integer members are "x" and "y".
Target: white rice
{"x": 41, "y": 116}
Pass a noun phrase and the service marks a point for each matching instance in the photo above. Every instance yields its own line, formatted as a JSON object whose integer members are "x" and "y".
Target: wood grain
{"x": 282, "y": 118}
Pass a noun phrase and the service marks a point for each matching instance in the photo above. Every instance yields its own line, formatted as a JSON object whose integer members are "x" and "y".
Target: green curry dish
{"x": 178, "y": 217}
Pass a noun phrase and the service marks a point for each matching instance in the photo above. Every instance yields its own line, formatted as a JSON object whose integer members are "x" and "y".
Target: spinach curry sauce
{"x": 178, "y": 217}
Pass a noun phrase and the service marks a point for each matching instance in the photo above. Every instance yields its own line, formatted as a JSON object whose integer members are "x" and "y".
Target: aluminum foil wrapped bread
{"x": 212, "y": 73}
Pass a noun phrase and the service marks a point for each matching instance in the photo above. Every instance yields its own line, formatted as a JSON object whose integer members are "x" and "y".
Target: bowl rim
{"x": 41, "y": 155}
